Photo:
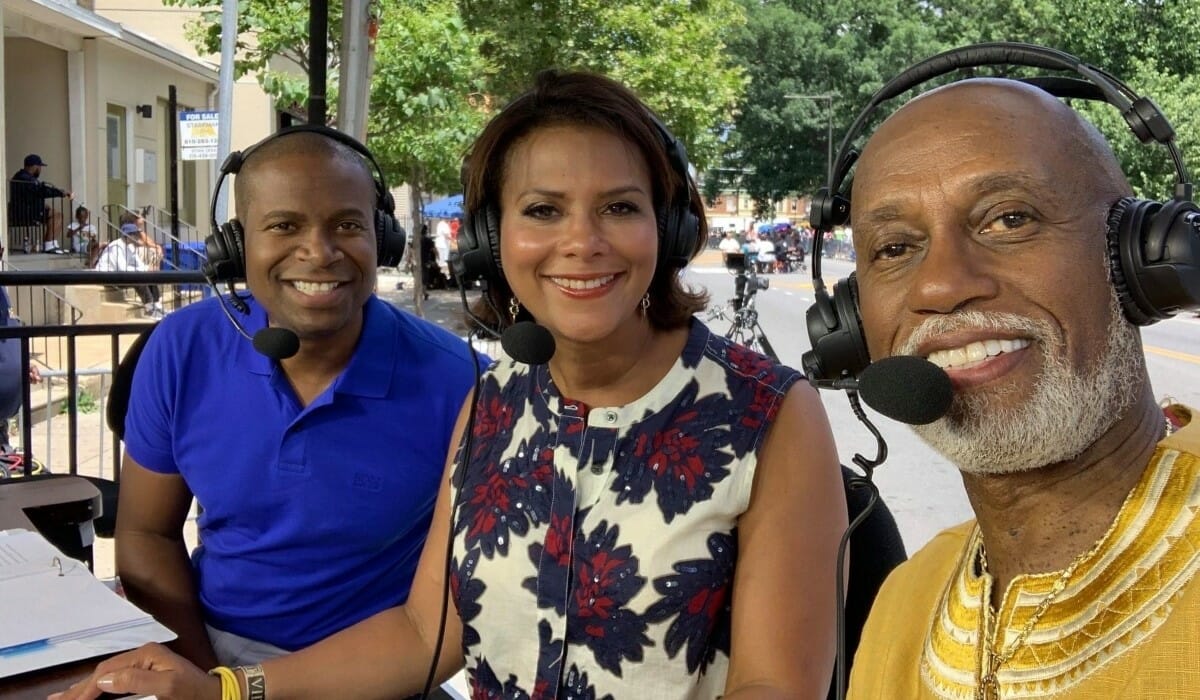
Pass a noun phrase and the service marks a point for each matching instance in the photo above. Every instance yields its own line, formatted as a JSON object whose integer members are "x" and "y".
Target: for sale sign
{"x": 198, "y": 134}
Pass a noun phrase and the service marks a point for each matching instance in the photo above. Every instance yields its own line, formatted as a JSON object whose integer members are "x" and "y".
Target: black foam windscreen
{"x": 276, "y": 343}
{"x": 906, "y": 388}
{"x": 527, "y": 342}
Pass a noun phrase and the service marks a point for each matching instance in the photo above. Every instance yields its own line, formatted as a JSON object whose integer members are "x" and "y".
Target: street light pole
{"x": 829, "y": 133}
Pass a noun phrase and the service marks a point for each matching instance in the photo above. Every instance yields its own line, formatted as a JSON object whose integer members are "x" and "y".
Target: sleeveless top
{"x": 595, "y": 547}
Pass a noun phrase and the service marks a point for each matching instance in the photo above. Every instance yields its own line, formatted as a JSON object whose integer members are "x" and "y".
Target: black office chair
{"x": 876, "y": 548}
{"x": 118, "y": 404}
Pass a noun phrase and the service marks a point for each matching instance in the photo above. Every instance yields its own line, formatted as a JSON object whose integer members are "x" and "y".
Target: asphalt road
{"x": 923, "y": 490}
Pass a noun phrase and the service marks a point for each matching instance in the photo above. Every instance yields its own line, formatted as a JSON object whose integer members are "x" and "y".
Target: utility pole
{"x": 318, "y": 59}
{"x": 359, "y": 28}
{"x": 229, "y": 14}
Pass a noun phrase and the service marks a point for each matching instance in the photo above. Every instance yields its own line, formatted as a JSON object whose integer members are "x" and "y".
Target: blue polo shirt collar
{"x": 369, "y": 374}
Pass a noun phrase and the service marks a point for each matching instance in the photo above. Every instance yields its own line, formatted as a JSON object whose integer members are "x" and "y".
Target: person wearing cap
{"x": 27, "y": 196}
{"x": 121, "y": 255}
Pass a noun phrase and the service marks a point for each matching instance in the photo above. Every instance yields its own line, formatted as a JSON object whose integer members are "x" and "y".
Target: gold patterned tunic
{"x": 1124, "y": 624}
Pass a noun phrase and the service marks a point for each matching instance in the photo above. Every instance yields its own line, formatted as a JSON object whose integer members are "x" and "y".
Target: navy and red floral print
{"x": 696, "y": 601}
{"x": 680, "y": 458}
{"x": 595, "y": 552}
{"x": 605, "y": 579}
{"x": 506, "y": 499}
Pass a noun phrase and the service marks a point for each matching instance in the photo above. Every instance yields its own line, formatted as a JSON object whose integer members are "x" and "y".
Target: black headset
{"x": 226, "y": 245}
{"x": 1153, "y": 247}
{"x": 678, "y": 225}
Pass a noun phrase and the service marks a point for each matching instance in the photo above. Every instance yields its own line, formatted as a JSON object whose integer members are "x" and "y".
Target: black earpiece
{"x": 678, "y": 225}
{"x": 226, "y": 247}
{"x": 1153, "y": 247}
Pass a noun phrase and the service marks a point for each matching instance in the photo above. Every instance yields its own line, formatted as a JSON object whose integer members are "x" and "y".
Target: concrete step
{"x": 104, "y": 304}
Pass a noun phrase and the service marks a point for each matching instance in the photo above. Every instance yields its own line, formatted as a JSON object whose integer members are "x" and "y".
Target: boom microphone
{"x": 528, "y": 342}
{"x": 276, "y": 343}
{"x": 905, "y": 388}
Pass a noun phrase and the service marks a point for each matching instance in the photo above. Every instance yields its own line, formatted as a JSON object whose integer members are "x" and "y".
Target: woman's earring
{"x": 514, "y": 308}
{"x": 645, "y": 303}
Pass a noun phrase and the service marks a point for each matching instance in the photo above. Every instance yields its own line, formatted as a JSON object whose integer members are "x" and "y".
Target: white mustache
{"x": 935, "y": 326}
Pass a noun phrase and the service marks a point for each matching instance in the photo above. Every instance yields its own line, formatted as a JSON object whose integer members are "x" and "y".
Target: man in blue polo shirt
{"x": 316, "y": 474}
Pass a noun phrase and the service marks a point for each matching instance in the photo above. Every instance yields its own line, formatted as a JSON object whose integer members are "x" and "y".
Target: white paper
{"x": 53, "y": 599}
{"x": 50, "y": 596}
{"x": 88, "y": 648}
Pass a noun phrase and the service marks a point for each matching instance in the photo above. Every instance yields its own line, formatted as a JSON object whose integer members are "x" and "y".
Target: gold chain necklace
{"x": 989, "y": 684}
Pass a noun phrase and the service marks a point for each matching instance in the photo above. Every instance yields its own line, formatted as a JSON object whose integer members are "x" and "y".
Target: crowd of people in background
{"x": 769, "y": 248}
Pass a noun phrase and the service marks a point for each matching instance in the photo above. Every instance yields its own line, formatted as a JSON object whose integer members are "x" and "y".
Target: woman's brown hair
{"x": 578, "y": 98}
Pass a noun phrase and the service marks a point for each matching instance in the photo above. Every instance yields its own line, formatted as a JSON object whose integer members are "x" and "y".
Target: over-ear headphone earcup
{"x": 491, "y": 229}
{"x": 389, "y": 239}
{"x": 678, "y": 229}
{"x": 479, "y": 245}
{"x": 839, "y": 348}
{"x": 1154, "y": 257}
{"x": 226, "y": 252}
{"x": 1127, "y": 219}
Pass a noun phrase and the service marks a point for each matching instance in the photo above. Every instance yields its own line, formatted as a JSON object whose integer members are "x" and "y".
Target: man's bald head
{"x": 979, "y": 212}
{"x": 1009, "y": 110}
{"x": 284, "y": 147}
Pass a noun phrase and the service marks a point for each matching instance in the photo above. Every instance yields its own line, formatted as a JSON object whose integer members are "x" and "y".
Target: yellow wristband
{"x": 230, "y": 688}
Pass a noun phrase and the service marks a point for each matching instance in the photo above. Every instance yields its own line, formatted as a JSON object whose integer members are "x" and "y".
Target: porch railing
{"x": 182, "y": 252}
{"x": 41, "y": 305}
{"x": 36, "y": 218}
{"x": 63, "y": 395}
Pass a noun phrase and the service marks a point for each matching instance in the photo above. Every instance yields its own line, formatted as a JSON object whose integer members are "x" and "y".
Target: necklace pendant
{"x": 989, "y": 688}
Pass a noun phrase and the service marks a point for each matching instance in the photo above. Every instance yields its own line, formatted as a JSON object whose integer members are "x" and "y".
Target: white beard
{"x": 1069, "y": 410}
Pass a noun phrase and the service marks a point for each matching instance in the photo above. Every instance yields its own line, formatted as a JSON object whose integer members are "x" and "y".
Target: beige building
{"x": 85, "y": 86}
{"x": 254, "y": 115}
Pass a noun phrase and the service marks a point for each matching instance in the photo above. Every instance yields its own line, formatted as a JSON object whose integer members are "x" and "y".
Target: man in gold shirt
{"x": 980, "y": 212}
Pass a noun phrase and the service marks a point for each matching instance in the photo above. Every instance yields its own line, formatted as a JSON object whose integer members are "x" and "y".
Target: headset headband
{"x": 236, "y": 159}
{"x": 830, "y": 208}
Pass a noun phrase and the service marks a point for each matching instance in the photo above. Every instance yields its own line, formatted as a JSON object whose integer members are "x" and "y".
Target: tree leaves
{"x": 777, "y": 147}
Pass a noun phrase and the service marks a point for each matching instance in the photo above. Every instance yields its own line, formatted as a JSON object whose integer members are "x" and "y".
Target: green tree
{"x": 672, "y": 53}
{"x": 270, "y": 31}
{"x": 426, "y": 87}
{"x": 778, "y": 146}
{"x": 1149, "y": 44}
{"x": 849, "y": 48}
{"x": 427, "y": 94}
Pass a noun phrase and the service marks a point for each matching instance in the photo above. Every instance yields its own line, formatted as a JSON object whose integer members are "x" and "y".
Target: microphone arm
{"x": 866, "y": 481}
{"x": 480, "y": 326}
{"x": 881, "y": 451}
{"x": 236, "y": 301}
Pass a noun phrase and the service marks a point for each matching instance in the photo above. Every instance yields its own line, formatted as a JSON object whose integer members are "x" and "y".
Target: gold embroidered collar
{"x": 1119, "y": 594}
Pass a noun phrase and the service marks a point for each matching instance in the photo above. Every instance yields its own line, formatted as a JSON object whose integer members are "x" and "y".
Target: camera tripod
{"x": 744, "y": 328}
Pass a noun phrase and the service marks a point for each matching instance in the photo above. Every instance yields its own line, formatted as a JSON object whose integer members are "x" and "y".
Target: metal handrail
{"x": 48, "y": 456}
{"x": 156, "y": 221}
{"x": 72, "y": 372}
{"x": 74, "y": 312}
{"x": 152, "y": 215}
{"x": 66, "y": 277}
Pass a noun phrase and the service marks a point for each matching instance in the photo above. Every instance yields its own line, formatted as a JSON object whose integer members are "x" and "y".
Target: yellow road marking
{"x": 787, "y": 284}
{"x": 1173, "y": 354}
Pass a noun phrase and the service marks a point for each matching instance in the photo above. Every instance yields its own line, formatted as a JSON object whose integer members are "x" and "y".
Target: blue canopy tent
{"x": 445, "y": 208}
